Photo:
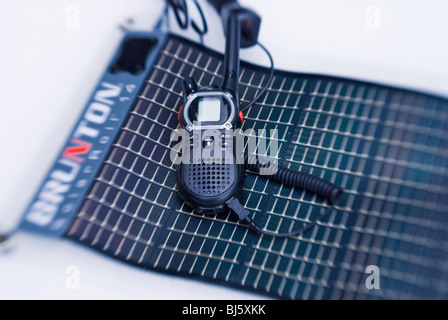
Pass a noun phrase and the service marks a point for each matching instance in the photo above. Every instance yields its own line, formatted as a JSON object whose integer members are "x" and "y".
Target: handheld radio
{"x": 211, "y": 117}
{"x": 213, "y": 183}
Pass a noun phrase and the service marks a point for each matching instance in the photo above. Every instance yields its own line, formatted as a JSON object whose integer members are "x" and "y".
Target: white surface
{"x": 40, "y": 267}
{"x": 50, "y": 65}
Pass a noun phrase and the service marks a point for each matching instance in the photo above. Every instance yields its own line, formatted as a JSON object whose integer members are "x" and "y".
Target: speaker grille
{"x": 208, "y": 179}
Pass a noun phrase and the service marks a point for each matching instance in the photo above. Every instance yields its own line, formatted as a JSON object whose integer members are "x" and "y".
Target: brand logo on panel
{"x": 64, "y": 173}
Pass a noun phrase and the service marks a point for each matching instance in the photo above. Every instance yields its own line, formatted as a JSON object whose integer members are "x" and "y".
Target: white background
{"x": 49, "y": 65}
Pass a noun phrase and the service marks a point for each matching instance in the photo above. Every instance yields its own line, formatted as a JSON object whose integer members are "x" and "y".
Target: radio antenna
{"x": 231, "y": 72}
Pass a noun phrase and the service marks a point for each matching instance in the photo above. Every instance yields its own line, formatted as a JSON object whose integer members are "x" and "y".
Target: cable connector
{"x": 236, "y": 207}
{"x": 243, "y": 214}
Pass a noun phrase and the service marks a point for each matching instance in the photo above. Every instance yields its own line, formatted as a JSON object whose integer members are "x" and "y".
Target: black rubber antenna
{"x": 232, "y": 57}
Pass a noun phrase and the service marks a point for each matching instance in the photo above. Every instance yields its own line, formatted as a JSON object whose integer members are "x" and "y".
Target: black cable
{"x": 243, "y": 214}
{"x": 268, "y": 83}
{"x": 332, "y": 193}
{"x": 180, "y": 8}
{"x": 204, "y": 21}
{"x": 304, "y": 229}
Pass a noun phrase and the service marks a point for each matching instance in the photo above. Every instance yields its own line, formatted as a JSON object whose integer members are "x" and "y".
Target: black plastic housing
{"x": 207, "y": 187}
{"x": 207, "y": 184}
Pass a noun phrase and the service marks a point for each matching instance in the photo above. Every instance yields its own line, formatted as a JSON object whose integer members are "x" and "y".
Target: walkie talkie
{"x": 212, "y": 117}
{"x": 213, "y": 183}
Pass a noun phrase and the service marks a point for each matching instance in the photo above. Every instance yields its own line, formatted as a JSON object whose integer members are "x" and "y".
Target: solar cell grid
{"x": 386, "y": 147}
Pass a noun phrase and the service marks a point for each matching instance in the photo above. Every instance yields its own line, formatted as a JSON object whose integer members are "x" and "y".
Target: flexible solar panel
{"x": 388, "y": 148}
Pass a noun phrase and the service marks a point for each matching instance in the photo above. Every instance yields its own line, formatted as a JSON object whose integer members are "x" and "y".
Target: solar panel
{"x": 387, "y": 147}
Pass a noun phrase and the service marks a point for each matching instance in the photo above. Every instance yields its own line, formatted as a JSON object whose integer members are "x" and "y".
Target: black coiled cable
{"x": 301, "y": 180}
